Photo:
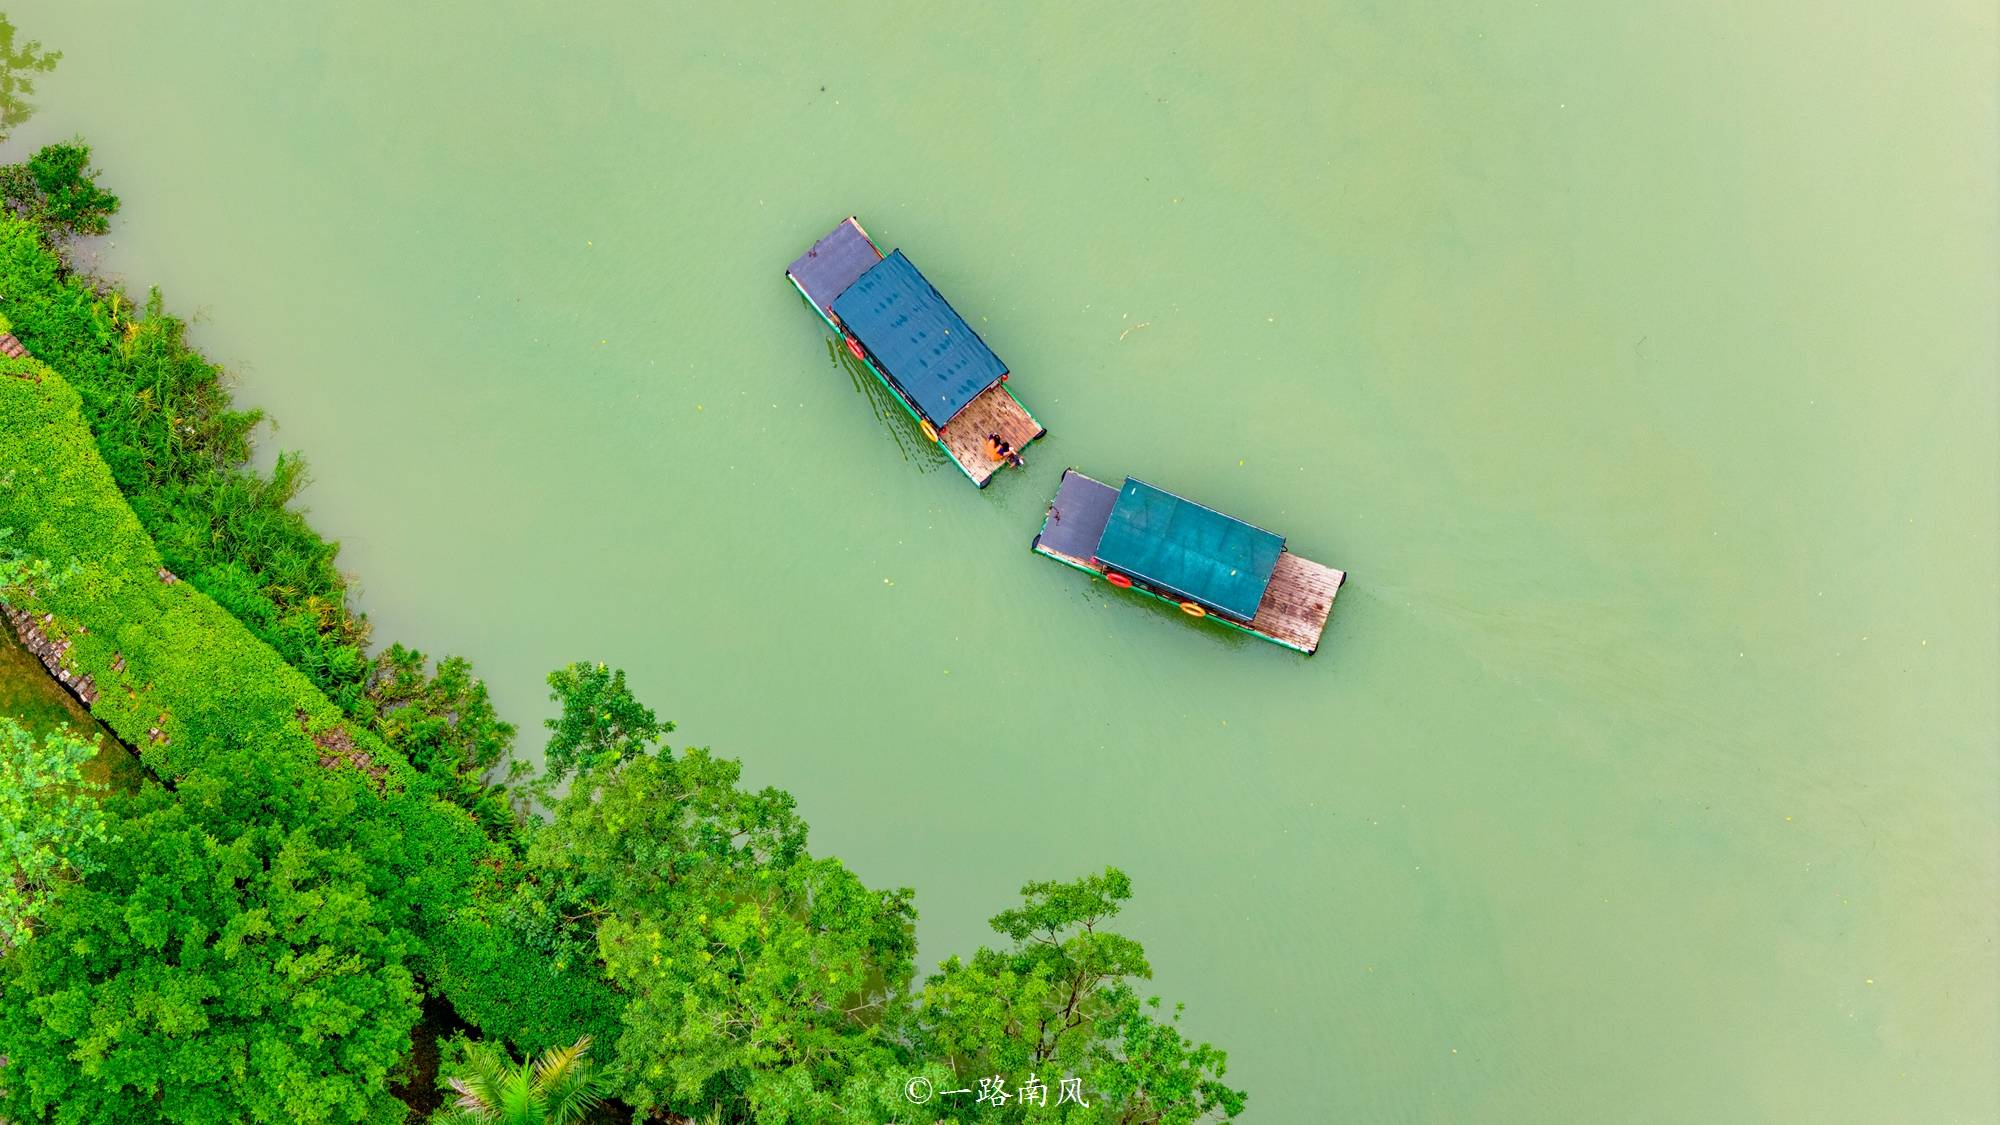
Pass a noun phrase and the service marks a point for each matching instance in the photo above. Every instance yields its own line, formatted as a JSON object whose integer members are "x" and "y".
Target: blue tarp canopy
{"x": 917, "y": 339}
{"x": 1196, "y": 553}
{"x": 825, "y": 271}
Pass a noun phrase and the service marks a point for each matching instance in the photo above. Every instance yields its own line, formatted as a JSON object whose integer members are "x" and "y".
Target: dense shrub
{"x": 235, "y": 957}
{"x": 183, "y": 681}
{"x": 56, "y": 189}
{"x": 179, "y": 452}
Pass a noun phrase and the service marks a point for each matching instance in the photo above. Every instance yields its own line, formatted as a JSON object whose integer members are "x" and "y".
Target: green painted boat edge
{"x": 877, "y": 372}
{"x": 1036, "y": 546}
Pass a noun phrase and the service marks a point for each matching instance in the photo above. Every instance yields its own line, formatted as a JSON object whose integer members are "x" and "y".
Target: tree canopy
{"x": 234, "y": 957}
{"x": 1060, "y": 1000}
{"x": 750, "y": 969}
{"x": 600, "y": 721}
{"x": 50, "y": 822}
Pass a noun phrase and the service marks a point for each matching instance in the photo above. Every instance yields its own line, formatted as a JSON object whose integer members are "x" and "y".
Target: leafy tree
{"x": 50, "y": 820}
{"x": 58, "y": 189}
{"x": 233, "y": 959}
{"x": 754, "y": 974}
{"x": 1060, "y": 1002}
{"x": 601, "y": 722}
{"x": 71, "y": 199}
{"x": 558, "y": 1088}
{"x": 444, "y": 722}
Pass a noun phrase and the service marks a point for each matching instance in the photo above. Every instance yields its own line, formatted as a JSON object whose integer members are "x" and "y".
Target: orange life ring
{"x": 854, "y": 347}
{"x": 1119, "y": 580}
{"x": 929, "y": 430}
{"x": 1193, "y": 610}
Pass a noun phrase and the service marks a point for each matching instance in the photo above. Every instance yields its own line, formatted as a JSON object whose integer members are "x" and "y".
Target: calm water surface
{"x": 1638, "y": 361}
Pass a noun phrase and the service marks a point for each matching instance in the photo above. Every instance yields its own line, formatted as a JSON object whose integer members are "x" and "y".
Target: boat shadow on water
{"x": 917, "y": 449}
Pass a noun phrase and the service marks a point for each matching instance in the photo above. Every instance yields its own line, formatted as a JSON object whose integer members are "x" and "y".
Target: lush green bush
{"x": 177, "y": 675}
{"x": 182, "y": 680}
{"x": 56, "y": 189}
{"x": 749, "y": 968}
{"x": 235, "y": 957}
{"x": 179, "y": 452}
{"x": 50, "y": 819}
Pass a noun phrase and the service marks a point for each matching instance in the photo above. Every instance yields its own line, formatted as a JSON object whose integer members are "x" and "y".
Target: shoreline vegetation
{"x": 328, "y": 895}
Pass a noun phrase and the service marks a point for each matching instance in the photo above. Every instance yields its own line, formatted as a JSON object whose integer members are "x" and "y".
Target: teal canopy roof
{"x": 917, "y": 339}
{"x": 1196, "y": 553}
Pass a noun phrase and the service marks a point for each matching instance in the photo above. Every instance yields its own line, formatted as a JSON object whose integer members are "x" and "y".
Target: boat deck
{"x": 993, "y": 412}
{"x": 1295, "y": 605}
{"x": 1297, "y": 602}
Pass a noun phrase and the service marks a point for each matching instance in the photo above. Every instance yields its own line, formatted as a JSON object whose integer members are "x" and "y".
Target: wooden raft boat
{"x": 929, "y": 358}
{"x": 1145, "y": 539}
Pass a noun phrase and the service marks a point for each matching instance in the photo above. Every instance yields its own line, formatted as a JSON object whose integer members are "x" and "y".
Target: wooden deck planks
{"x": 1297, "y": 601}
{"x": 993, "y": 412}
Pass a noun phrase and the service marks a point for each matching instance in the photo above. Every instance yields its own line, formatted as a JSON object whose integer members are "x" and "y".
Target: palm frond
{"x": 557, "y": 1060}
{"x": 519, "y": 1105}
{"x": 482, "y": 1092}
{"x": 569, "y": 1083}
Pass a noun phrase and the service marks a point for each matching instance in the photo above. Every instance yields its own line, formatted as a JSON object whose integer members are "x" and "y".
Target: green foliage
{"x": 444, "y": 721}
{"x": 179, "y": 452}
{"x": 753, "y": 973}
{"x": 1060, "y": 1000}
{"x": 504, "y": 974}
{"x": 183, "y": 681}
{"x": 447, "y": 718}
{"x": 18, "y": 66}
{"x": 50, "y": 820}
{"x": 58, "y": 189}
{"x": 20, "y": 572}
{"x": 71, "y": 199}
{"x": 191, "y": 672}
{"x": 559, "y": 1087}
{"x": 235, "y": 957}
{"x": 600, "y": 723}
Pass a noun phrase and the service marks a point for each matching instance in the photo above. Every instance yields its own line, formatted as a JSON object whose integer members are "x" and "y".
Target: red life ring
{"x": 1119, "y": 580}
{"x": 854, "y": 346}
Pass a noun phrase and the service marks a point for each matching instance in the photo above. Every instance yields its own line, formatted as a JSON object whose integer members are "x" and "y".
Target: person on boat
{"x": 999, "y": 450}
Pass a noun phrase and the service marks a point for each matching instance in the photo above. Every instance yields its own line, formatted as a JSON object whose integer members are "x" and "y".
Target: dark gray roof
{"x": 834, "y": 262}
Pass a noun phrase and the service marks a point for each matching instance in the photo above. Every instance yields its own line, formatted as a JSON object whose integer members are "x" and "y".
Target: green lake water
{"x": 1637, "y": 361}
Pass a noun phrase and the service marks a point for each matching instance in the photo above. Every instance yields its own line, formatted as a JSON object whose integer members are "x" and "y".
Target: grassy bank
{"x": 182, "y": 679}
{"x": 178, "y": 451}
